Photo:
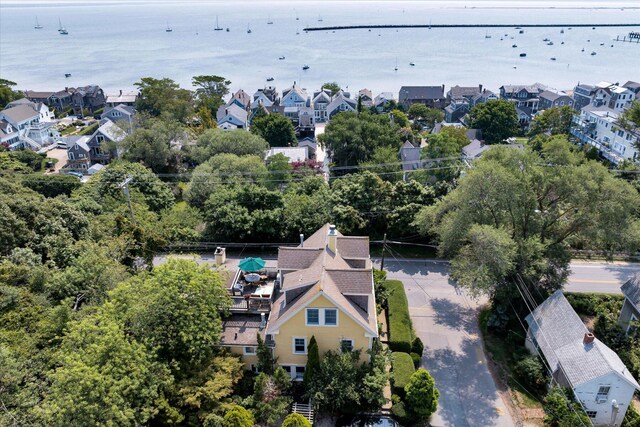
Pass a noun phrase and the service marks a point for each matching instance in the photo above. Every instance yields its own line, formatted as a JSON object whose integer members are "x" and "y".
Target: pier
{"x": 633, "y": 37}
{"x": 397, "y": 26}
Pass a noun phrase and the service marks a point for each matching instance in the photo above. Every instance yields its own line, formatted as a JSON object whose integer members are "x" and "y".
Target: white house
{"x": 341, "y": 102}
{"x": 599, "y": 380}
{"x": 321, "y": 99}
{"x": 232, "y": 116}
{"x": 598, "y": 127}
{"x": 617, "y": 98}
{"x": 381, "y": 100}
{"x": 295, "y": 96}
{"x": 295, "y": 154}
{"x": 32, "y": 123}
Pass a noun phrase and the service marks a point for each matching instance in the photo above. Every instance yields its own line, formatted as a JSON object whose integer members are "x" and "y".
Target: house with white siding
{"x": 600, "y": 381}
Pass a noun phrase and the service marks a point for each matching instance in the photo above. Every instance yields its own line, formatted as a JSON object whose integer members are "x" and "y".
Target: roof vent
{"x": 588, "y": 338}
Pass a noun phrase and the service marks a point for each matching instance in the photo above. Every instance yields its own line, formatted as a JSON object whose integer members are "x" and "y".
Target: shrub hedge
{"x": 403, "y": 368}
{"x": 400, "y": 331}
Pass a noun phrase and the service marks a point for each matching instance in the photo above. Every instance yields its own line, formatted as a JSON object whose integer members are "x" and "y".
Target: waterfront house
{"x": 525, "y": 97}
{"x": 241, "y": 99}
{"x": 617, "y": 98}
{"x": 341, "y": 103}
{"x": 630, "y": 313}
{"x": 295, "y": 96}
{"x": 232, "y": 116}
{"x": 431, "y": 96}
{"x": 461, "y": 100}
{"x": 633, "y": 87}
{"x": 31, "y": 125}
{"x": 78, "y": 153}
{"x": 8, "y": 134}
{"x": 321, "y": 100}
{"x": 120, "y": 113}
{"x": 366, "y": 98}
{"x": 38, "y": 96}
{"x": 121, "y": 98}
{"x": 89, "y": 97}
{"x": 598, "y": 127}
{"x": 382, "y": 100}
{"x": 554, "y": 99}
{"x": 582, "y": 95}
{"x": 269, "y": 93}
{"x": 103, "y": 143}
{"x": 321, "y": 288}
{"x": 598, "y": 378}
{"x": 61, "y": 100}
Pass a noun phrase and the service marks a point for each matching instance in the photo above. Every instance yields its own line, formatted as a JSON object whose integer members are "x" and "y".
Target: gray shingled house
{"x": 631, "y": 309}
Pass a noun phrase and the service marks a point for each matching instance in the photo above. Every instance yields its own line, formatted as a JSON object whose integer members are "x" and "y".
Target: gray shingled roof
{"x": 631, "y": 290}
{"x": 241, "y": 329}
{"x": 421, "y": 92}
{"x": 559, "y": 334}
{"x": 20, "y": 113}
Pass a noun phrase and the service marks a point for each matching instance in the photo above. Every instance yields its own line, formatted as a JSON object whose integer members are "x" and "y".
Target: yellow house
{"x": 326, "y": 291}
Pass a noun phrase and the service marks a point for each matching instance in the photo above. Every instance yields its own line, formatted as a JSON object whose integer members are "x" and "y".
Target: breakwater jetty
{"x": 517, "y": 26}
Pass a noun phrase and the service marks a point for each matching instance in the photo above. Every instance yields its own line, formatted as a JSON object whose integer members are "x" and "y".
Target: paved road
{"x": 445, "y": 319}
{"x": 599, "y": 276}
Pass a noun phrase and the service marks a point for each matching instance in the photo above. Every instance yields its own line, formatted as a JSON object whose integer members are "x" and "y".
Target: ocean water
{"x": 114, "y": 43}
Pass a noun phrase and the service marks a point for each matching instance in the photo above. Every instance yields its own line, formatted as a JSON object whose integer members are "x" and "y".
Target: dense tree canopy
{"x": 553, "y": 121}
{"x": 164, "y": 97}
{"x": 496, "y": 118}
{"x": 7, "y": 94}
{"x": 276, "y": 129}
{"x": 351, "y": 138}
{"x": 238, "y": 142}
{"x": 426, "y": 115}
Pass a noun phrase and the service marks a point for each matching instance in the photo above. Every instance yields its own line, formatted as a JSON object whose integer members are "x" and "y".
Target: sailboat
{"x": 248, "y": 29}
{"x": 396, "y": 69}
{"x": 37, "y": 26}
{"x": 319, "y": 18}
{"x": 297, "y": 32}
{"x": 269, "y": 22}
{"x": 218, "y": 27}
{"x": 487, "y": 35}
{"x": 61, "y": 29}
{"x": 169, "y": 29}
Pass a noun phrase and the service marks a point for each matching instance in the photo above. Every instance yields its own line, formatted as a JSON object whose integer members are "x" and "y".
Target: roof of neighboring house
{"x": 320, "y": 271}
{"x": 4, "y": 126}
{"x": 437, "y": 128}
{"x": 365, "y": 92}
{"x": 80, "y": 141}
{"x": 552, "y": 95}
{"x": 232, "y": 110}
{"x": 21, "y": 101}
{"x": 523, "y": 110}
{"x": 37, "y": 95}
{"x": 458, "y": 92}
{"x": 242, "y": 97}
{"x": 112, "y": 131}
{"x": 421, "y": 92}
{"x": 302, "y": 93}
{"x": 241, "y": 329}
{"x": 122, "y": 98}
{"x": 631, "y": 290}
{"x": 559, "y": 334}
{"x": 341, "y": 98}
{"x": 124, "y": 109}
{"x": 21, "y": 113}
{"x": 295, "y": 154}
{"x": 534, "y": 88}
{"x": 95, "y": 168}
{"x": 632, "y": 86}
{"x": 383, "y": 97}
{"x": 475, "y": 148}
{"x": 90, "y": 90}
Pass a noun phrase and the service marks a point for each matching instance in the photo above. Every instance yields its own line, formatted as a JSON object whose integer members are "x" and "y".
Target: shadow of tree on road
{"x": 467, "y": 391}
{"x": 454, "y": 315}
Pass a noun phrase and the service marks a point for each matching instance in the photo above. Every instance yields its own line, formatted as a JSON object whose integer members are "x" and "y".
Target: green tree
{"x": 496, "y": 118}
{"x": 51, "y": 185}
{"x": 444, "y": 152}
{"x": 270, "y": 400}
{"x": 280, "y": 170}
{"x": 306, "y": 206}
{"x": 295, "y": 420}
{"x": 336, "y": 387}
{"x": 400, "y": 118}
{"x": 266, "y": 362}
{"x": 155, "y": 143}
{"x": 276, "y": 129}
{"x": 103, "y": 377}
{"x": 209, "y": 92}
{"x": 553, "y": 121}
{"x": 239, "y": 142}
{"x": 313, "y": 363}
{"x": 562, "y": 411}
{"x": 630, "y": 119}
{"x": 385, "y": 162}
{"x": 7, "y": 94}
{"x": 237, "y": 416}
{"x": 164, "y": 97}
{"x": 426, "y": 115}
{"x": 351, "y": 139}
{"x": 531, "y": 213}
{"x": 176, "y": 310}
{"x": 334, "y": 87}
{"x": 421, "y": 398}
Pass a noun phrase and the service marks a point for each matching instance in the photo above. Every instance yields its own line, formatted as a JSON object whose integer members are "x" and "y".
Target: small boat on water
{"x": 501, "y": 39}
{"x": 281, "y": 58}
{"x": 553, "y": 58}
{"x": 514, "y": 45}
{"x": 582, "y": 50}
{"x": 169, "y": 29}
{"x": 602, "y": 44}
{"x": 305, "y": 67}
{"x": 550, "y": 44}
{"x": 227, "y": 29}
{"x": 269, "y": 21}
{"x": 561, "y": 42}
{"x": 412, "y": 64}
{"x": 218, "y": 27}
{"x": 593, "y": 53}
{"x": 37, "y": 26}
{"x": 319, "y": 18}
{"x": 521, "y": 31}
{"x": 270, "y": 79}
{"x": 396, "y": 69}
{"x": 487, "y": 35}
{"x": 562, "y": 31}
{"x": 67, "y": 75}
{"x": 62, "y": 30}
{"x": 248, "y": 29}
{"x": 545, "y": 39}
{"x": 522, "y": 55}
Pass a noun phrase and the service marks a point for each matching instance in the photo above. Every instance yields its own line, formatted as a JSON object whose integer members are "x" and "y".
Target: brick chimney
{"x": 480, "y": 88}
{"x": 332, "y": 239}
{"x": 588, "y": 338}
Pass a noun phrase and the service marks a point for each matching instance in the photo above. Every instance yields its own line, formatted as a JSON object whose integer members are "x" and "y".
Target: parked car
{"x": 61, "y": 144}
{"x": 368, "y": 420}
{"x": 74, "y": 173}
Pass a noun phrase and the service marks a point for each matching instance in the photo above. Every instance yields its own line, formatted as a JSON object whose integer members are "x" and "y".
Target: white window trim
{"x": 292, "y": 371}
{"x": 293, "y": 345}
{"x": 324, "y": 314}
{"x": 321, "y": 317}
{"x": 246, "y": 353}
{"x": 353, "y": 343}
{"x": 632, "y": 319}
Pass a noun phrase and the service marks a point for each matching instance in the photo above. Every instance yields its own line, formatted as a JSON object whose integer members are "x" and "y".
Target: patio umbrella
{"x": 252, "y": 264}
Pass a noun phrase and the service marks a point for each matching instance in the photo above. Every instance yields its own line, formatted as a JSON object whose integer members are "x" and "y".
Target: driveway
{"x": 445, "y": 319}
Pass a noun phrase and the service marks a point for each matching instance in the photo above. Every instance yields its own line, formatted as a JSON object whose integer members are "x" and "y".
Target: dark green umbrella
{"x": 252, "y": 264}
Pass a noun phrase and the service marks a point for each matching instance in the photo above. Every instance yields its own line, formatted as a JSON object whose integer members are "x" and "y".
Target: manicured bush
{"x": 400, "y": 331}
{"x": 421, "y": 398}
{"x": 238, "y": 416}
{"x": 416, "y": 359}
{"x": 417, "y": 346}
{"x": 295, "y": 420}
{"x": 400, "y": 414}
{"x": 403, "y": 368}
{"x": 530, "y": 372}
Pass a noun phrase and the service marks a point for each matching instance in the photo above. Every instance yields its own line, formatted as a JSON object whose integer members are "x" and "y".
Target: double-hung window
{"x": 330, "y": 317}
{"x": 248, "y": 350}
{"x": 313, "y": 316}
{"x": 322, "y": 317}
{"x": 603, "y": 393}
{"x": 299, "y": 345}
{"x": 592, "y": 414}
{"x": 346, "y": 345}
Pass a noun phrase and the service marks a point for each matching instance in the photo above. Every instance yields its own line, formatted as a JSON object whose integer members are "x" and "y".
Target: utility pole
{"x": 384, "y": 245}
{"x": 125, "y": 188}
